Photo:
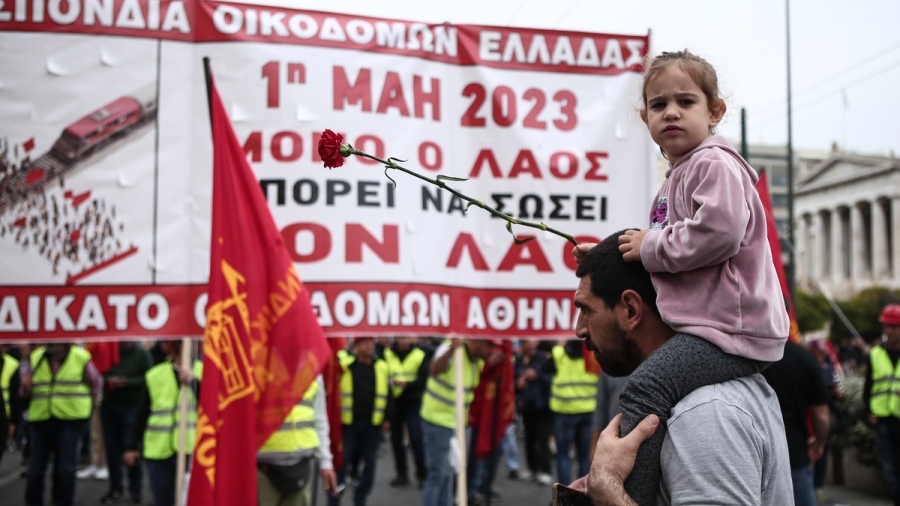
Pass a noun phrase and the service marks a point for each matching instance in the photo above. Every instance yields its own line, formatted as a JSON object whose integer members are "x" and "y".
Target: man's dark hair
{"x": 611, "y": 275}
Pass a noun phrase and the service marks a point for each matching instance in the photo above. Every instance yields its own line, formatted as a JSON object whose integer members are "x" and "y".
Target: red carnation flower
{"x": 330, "y": 149}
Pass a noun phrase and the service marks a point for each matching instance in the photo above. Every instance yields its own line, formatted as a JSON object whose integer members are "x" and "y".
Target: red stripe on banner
{"x": 163, "y": 19}
{"x": 71, "y": 280}
{"x": 497, "y": 47}
{"x": 95, "y": 313}
{"x": 344, "y": 309}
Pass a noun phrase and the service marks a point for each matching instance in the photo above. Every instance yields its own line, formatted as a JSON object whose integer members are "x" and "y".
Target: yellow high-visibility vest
{"x": 381, "y": 391}
{"x": 63, "y": 396}
{"x": 885, "y": 395}
{"x": 573, "y": 390}
{"x": 438, "y": 401}
{"x": 163, "y": 432}
{"x": 10, "y": 367}
{"x": 298, "y": 430}
{"x": 406, "y": 370}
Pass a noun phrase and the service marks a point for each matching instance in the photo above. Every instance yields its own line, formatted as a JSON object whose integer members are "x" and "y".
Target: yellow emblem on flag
{"x": 222, "y": 343}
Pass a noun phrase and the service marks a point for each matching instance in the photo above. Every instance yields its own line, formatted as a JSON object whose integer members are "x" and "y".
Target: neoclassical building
{"x": 847, "y": 219}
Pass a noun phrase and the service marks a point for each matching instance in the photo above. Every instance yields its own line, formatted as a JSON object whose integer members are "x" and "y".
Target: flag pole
{"x": 180, "y": 464}
{"x": 461, "y": 486}
{"x": 207, "y": 72}
{"x": 185, "y": 361}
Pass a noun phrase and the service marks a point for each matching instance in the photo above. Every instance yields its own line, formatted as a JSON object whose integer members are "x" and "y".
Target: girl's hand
{"x": 630, "y": 244}
{"x": 582, "y": 249}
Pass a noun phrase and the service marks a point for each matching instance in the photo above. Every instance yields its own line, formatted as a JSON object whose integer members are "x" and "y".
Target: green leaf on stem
{"x": 516, "y": 239}
{"x": 392, "y": 162}
{"x": 389, "y": 177}
{"x": 451, "y": 178}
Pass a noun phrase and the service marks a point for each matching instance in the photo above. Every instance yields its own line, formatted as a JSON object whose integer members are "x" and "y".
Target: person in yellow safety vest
{"x": 157, "y": 427}
{"x": 573, "y": 398}
{"x": 439, "y": 412}
{"x": 64, "y": 387}
{"x": 881, "y": 397}
{"x": 365, "y": 398}
{"x": 12, "y": 405}
{"x": 408, "y": 371}
{"x": 286, "y": 460}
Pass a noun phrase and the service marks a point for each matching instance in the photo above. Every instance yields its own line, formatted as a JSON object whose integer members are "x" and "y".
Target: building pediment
{"x": 843, "y": 169}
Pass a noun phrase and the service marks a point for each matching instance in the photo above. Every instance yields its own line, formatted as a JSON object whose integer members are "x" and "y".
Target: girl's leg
{"x": 682, "y": 365}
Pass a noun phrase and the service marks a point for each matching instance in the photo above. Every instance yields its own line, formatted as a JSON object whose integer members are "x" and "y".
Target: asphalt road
{"x": 513, "y": 492}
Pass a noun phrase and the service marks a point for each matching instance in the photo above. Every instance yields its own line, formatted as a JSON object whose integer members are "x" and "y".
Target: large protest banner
{"x": 106, "y": 166}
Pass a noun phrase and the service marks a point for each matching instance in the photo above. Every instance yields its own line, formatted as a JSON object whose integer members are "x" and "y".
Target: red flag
{"x": 77, "y": 200}
{"x": 28, "y": 145}
{"x": 762, "y": 187}
{"x": 262, "y": 346}
{"x": 496, "y": 402}
{"x": 590, "y": 361}
{"x": 331, "y": 376}
{"x": 104, "y": 355}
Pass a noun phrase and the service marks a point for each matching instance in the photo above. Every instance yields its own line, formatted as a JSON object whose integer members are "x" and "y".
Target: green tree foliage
{"x": 862, "y": 310}
{"x": 812, "y": 311}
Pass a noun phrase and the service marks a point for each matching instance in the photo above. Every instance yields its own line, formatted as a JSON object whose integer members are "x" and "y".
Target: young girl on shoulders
{"x": 707, "y": 253}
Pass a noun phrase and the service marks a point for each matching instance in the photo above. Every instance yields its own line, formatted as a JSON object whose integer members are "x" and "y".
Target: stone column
{"x": 858, "y": 269}
{"x": 895, "y": 237}
{"x": 880, "y": 267}
{"x": 837, "y": 246}
{"x": 801, "y": 248}
{"x": 818, "y": 245}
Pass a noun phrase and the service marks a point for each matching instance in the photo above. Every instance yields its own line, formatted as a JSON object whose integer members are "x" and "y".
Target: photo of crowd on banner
{"x": 71, "y": 232}
{"x": 75, "y": 233}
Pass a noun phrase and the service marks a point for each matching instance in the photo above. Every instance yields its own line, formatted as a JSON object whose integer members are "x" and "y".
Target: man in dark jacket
{"x": 798, "y": 384}
{"x": 532, "y": 402}
{"x": 123, "y": 387}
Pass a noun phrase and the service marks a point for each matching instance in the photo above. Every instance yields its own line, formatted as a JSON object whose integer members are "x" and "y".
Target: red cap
{"x": 359, "y": 339}
{"x": 890, "y": 315}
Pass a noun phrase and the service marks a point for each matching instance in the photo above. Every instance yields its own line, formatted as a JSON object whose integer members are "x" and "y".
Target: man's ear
{"x": 632, "y": 305}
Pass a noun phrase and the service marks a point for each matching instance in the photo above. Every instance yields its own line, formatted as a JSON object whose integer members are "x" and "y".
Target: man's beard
{"x": 623, "y": 357}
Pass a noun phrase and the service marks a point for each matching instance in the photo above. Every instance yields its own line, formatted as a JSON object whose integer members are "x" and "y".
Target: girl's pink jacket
{"x": 709, "y": 257}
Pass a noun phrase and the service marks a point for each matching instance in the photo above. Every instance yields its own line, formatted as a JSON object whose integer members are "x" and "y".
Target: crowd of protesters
{"x": 71, "y": 231}
{"x": 70, "y": 234}
{"x": 61, "y": 408}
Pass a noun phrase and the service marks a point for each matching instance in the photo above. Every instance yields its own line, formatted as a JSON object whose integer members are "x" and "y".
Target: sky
{"x": 845, "y": 56}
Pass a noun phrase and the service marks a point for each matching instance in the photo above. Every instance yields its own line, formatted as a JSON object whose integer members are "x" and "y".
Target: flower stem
{"x": 390, "y": 164}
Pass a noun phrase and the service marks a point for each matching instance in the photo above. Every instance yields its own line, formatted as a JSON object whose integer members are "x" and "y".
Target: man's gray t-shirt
{"x": 726, "y": 445}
